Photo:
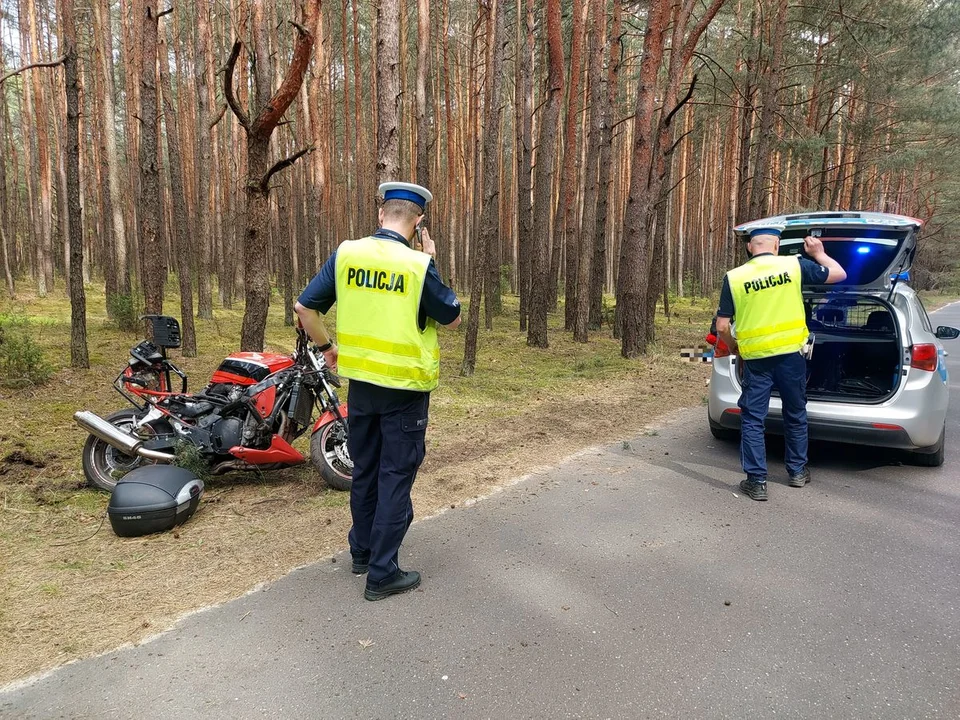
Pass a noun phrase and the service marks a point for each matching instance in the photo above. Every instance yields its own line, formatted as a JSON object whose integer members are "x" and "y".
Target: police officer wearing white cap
{"x": 764, "y": 298}
{"x": 390, "y": 299}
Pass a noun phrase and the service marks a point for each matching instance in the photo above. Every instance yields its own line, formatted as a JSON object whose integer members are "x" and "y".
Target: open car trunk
{"x": 857, "y": 353}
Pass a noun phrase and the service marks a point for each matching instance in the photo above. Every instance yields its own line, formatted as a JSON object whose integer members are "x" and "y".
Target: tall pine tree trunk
{"x": 604, "y": 181}
{"x": 388, "y": 91}
{"x": 634, "y": 257}
{"x": 101, "y": 9}
{"x": 769, "y": 90}
{"x": 424, "y": 95}
{"x": 78, "y": 301}
{"x": 491, "y": 163}
{"x": 180, "y": 214}
{"x": 524, "y": 160}
{"x": 203, "y": 73}
{"x": 489, "y": 218}
{"x": 565, "y": 233}
{"x": 543, "y": 195}
{"x": 4, "y": 210}
{"x": 598, "y": 118}
{"x": 44, "y": 166}
{"x": 153, "y": 267}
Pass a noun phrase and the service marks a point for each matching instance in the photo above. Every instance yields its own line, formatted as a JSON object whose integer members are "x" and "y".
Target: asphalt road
{"x": 630, "y": 582}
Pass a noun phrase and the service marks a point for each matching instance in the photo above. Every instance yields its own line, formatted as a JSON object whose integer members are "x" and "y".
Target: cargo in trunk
{"x": 857, "y": 351}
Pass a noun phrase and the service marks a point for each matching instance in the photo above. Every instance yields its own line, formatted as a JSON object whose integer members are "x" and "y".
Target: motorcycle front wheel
{"x": 328, "y": 452}
{"x": 103, "y": 464}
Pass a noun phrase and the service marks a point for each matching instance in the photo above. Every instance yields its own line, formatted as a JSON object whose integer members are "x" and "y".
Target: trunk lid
{"x": 874, "y": 248}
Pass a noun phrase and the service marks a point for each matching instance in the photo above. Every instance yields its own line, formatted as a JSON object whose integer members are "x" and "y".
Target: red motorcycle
{"x": 246, "y": 418}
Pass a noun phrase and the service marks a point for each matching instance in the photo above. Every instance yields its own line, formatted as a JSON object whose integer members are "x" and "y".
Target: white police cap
{"x": 405, "y": 191}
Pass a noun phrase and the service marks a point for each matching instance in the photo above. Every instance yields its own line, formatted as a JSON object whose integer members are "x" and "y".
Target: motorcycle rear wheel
{"x": 328, "y": 452}
{"x": 103, "y": 464}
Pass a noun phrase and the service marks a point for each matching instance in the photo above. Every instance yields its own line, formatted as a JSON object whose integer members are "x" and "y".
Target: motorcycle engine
{"x": 225, "y": 434}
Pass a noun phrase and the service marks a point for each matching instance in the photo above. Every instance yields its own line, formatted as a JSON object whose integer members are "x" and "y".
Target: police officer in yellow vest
{"x": 763, "y": 298}
{"x": 390, "y": 300}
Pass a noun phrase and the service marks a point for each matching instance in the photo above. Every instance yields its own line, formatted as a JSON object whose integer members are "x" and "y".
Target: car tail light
{"x": 721, "y": 350}
{"x": 924, "y": 357}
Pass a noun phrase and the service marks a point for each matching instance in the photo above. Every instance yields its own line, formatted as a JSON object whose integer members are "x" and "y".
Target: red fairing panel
{"x": 265, "y": 400}
{"x": 280, "y": 451}
{"x": 328, "y": 416}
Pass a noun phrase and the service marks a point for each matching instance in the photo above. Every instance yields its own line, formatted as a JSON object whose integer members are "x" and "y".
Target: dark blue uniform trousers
{"x": 386, "y": 443}
{"x": 788, "y": 373}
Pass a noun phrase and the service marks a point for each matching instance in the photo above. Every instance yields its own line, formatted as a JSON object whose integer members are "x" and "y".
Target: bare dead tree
{"x": 259, "y": 126}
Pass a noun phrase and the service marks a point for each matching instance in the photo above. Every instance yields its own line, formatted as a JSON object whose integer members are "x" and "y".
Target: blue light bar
{"x": 863, "y": 250}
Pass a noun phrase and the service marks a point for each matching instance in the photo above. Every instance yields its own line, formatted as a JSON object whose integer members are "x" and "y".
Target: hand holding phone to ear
{"x": 426, "y": 242}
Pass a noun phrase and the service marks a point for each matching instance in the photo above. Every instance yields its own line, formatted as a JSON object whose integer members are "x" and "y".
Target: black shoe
{"x": 361, "y": 563}
{"x": 753, "y": 489}
{"x": 401, "y": 582}
{"x": 800, "y": 479}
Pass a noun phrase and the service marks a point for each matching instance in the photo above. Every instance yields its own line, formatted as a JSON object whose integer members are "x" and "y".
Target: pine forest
{"x": 584, "y": 155}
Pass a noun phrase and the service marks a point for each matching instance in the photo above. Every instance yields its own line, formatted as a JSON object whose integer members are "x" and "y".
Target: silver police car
{"x": 876, "y": 375}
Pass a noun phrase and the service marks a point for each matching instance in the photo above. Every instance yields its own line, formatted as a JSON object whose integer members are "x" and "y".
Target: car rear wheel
{"x": 722, "y": 433}
{"x": 934, "y": 459}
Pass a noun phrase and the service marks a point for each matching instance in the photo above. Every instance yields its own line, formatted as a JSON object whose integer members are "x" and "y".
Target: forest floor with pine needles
{"x": 69, "y": 589}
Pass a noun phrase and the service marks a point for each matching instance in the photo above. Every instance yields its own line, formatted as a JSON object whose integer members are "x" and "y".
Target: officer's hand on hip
{"x": 330, "y": 357}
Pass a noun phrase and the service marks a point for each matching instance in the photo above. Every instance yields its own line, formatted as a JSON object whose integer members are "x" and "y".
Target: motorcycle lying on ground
{"x": 246, "y": 418}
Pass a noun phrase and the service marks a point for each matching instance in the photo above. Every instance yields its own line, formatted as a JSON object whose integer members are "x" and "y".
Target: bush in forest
{"x": 22, "y": 362}
{"x": 124, "y": 312}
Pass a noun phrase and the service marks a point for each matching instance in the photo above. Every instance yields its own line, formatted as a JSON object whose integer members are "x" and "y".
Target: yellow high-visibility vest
{"x": 768, "y": 306}
{"x": 379, "y": 284}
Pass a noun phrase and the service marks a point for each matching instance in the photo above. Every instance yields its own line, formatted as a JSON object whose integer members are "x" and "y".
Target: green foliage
{"x": 189, "y": 458}
{"x": 125, "y": 312}
{"x": 506, "y": 274}
{"x": 22, "y": 362}
{"x": 608, "y": 311}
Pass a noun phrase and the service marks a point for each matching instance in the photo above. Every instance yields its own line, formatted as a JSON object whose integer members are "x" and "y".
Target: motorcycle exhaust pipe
{"x": 120, "y": 439}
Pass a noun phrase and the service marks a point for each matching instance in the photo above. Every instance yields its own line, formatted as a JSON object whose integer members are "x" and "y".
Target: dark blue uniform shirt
{"x": 437, "y": 301}
{"x": 811, "y": 273}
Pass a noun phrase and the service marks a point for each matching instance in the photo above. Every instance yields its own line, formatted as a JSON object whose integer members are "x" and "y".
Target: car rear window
{"x": 846, "y": 313}
{"x": 865, "y": 253}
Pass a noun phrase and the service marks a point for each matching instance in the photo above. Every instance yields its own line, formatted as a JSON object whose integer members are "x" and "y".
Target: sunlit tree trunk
{"x": 605, "y": 179}
{"x": 152, "y": 252}
{"x": 565, "y": 231}
{"x": 180, "y": 220}
{"x": 388, "y": 91}
{"x": 524, "y": 160}
{"x": 44, "y": 168}
{"x": 424, "y": 96}
{"x": 489, "y": 219}
{"x": 78, "y": 301}
{"x": 597, "y": 120}
{"x": 543, "y": 195}
{"x": 769, "y": 106}
{"x": 104, "y": 35}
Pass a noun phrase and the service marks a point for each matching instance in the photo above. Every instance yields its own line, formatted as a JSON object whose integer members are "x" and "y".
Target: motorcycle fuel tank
{"x": 249, "y": 368}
